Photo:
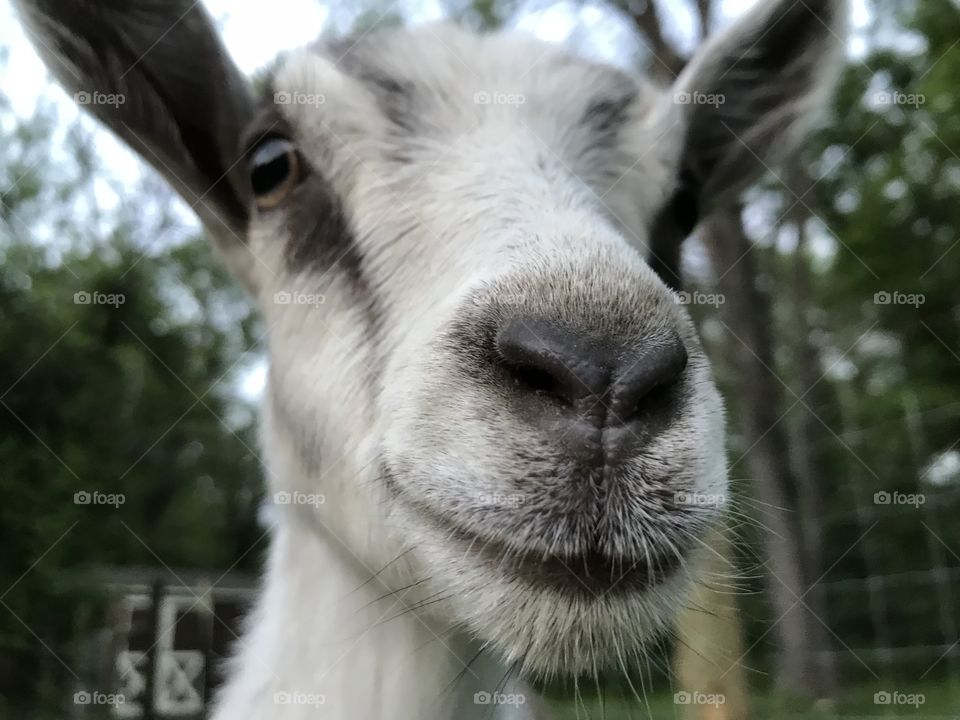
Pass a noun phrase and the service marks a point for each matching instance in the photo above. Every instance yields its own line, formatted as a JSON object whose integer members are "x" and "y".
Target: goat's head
{"x": 470, "y": 339}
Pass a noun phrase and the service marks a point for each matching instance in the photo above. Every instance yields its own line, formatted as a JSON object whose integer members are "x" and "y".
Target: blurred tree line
{"x": 837, "y": 345}
{"x": 122, "y": 440}
{"x": 840, "y": 333}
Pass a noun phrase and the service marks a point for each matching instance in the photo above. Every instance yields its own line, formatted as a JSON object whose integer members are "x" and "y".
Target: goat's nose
{"x": 599, "y": 380}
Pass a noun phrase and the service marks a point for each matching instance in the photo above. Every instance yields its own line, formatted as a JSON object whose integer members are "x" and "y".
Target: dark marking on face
{"x": 320, "y": 238}
{"x": 608, "y": 114}
{"x": 322, "y": 245}
{"x": 395, "y": 96}
{"x": 607, "y": 111}
{"x": 322, "y": 242}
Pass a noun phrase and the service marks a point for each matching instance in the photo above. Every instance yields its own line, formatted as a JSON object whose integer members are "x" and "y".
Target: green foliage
{"x": 118, "y": 368}
{"x": 884, "y": 228}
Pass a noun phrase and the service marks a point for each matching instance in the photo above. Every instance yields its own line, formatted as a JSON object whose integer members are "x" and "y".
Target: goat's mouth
{"x": 571, "y": 611}
{"x": 591, "y": 572}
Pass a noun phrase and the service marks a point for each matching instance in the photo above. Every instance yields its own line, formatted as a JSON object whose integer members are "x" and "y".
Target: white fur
{"x": 479, "y": 213}
{"x": 368, "y": 602}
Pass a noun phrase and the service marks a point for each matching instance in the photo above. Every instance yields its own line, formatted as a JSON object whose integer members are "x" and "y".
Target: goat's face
{"x": 533, "y": 406}
{"x": 449, "y": 238}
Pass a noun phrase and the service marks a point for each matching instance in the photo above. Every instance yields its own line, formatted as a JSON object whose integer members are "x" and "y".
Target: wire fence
{"x": 891, "y": 597}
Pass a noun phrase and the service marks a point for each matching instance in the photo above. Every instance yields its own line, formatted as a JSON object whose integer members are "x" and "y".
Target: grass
{"x": 940, "y": 702}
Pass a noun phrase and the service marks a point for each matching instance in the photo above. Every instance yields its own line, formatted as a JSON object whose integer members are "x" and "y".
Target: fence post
{"x": 150, "y": 691}
{"x": 207, "y": 618}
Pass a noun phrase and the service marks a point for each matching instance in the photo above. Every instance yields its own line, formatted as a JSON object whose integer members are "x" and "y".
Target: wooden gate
{"x": 170, "y": 636}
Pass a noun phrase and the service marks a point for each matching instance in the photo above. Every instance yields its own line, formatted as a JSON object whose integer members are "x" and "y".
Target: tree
{"x": 121, "y": 440}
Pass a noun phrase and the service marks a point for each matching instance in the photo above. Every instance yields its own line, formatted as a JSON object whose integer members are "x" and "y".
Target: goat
{"x": 486, "y": 413}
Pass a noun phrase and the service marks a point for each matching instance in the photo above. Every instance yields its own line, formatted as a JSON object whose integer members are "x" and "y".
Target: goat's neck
{"x": 329, "y": 642}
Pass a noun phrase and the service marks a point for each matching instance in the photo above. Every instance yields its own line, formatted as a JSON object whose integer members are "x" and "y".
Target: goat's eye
{"x": 274, "y": 171}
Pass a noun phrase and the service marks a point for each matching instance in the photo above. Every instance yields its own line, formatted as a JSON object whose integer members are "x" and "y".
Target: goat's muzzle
{"x": 594, "y": 395}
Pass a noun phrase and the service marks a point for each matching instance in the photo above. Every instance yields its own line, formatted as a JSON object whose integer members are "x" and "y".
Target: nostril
{"x": 658, "y": 369}
{"x": 547, "y": 359}
{"x": 589, "y": 376}
{"x": 538, "y": 380}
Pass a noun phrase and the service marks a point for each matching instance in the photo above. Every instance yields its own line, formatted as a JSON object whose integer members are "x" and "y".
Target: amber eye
{"x": 274, "y": 171}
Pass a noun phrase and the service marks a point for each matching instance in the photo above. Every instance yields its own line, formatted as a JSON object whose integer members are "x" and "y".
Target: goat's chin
{"x": 546, "y": 617}
{"x": 543, "y": 630}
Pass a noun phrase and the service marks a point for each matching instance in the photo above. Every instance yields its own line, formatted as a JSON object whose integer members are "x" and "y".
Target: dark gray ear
{"x": 748, "y": 93}
{"x": 156, "y": 74}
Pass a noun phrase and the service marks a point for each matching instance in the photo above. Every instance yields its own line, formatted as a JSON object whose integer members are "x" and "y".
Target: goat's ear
{"x": 747, "y": 94}
{"x": 158, "y": 76}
